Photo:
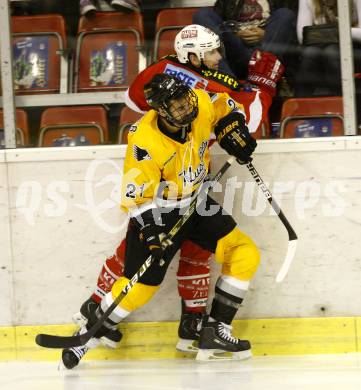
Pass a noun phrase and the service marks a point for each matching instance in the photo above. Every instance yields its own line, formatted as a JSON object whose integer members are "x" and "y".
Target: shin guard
{"x": 229, "y": 295}
{"x": 112, "y": 270}
{"x": 193, "y": 277}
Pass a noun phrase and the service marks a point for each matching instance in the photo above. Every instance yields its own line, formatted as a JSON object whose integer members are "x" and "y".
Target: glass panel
{"x": 307, "y": 101}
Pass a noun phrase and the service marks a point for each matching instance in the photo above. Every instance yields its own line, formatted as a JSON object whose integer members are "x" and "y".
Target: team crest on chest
{"x": 193, "y": 176}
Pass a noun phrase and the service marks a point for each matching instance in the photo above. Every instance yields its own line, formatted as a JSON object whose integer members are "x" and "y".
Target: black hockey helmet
{"x": 178, "y": 101}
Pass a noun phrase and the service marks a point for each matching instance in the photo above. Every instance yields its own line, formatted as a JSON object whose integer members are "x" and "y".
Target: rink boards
{"x": 157, "y": 340}
{"x": 60, "y": 220}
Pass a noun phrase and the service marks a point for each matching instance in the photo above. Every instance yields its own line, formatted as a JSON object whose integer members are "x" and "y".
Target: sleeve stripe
{"x": 255, "y": 114}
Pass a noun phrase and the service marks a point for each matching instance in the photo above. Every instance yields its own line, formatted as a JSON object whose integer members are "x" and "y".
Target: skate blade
{"x": 189, "y": 346}
{"x": 205, "y": 355}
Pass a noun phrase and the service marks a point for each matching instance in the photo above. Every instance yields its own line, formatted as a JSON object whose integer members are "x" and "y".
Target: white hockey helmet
{"x": 197, "y": 40}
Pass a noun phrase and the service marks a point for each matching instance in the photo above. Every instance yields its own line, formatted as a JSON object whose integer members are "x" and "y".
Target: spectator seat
{"x": 22, "y": 128}
{"x": 312, "y": 117}
{"x": 109, "y": 51}
{"x": 168, "y": 23}
{"x": 40, "y": 63}
{"x": 73, "y": 126}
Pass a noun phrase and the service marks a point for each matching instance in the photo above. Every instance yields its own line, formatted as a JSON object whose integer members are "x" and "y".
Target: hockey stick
{"x": 292, "y": 237}
{"x": 52, "y": 341}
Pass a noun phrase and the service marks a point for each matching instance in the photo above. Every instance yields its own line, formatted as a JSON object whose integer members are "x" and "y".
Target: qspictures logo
{"x": 100, "y": 196}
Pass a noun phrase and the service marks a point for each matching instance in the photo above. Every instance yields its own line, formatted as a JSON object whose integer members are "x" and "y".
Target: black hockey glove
{"x": 233, "y": 136}
{"x": 150, "y": 234}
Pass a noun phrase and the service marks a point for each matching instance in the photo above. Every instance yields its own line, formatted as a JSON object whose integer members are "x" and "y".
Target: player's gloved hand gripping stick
{"x": 52, "y": 341}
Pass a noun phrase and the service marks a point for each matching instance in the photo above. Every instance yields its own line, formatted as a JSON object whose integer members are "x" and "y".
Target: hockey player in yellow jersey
{"x": 173, "y": 151}
{"x": 166, "y": 162}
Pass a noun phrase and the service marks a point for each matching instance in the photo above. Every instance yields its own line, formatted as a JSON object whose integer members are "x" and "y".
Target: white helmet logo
{"x": 189, "y": 34}
{"x": 197, "y": 40}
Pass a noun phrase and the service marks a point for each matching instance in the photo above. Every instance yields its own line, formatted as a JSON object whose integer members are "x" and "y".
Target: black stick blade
{"x": 51, "y": 341}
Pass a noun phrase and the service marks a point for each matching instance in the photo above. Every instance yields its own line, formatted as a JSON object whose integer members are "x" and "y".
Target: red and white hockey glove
{"x": 265, "y": 70}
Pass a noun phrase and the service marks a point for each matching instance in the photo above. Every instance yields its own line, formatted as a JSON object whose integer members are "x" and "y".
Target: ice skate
{"x": 71, "y": 357}
{"x": 188, "y": 332}
{"x": 112, "y": 338}
{"x": 217, "y": 343}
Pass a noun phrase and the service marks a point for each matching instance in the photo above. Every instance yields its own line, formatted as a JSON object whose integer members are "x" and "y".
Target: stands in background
{"x": 169, "y": 22}
{"x": 40, "y": 63}
{"x": 108, "y": 51}
{"x": 73, "y": 126}
{"x": 22, "y": 128}
{"x": 127, "y": 118}
{"x": 312, "y": 117}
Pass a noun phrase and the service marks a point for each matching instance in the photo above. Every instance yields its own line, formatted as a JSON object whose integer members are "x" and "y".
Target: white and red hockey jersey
{"x": 256, "y": 102}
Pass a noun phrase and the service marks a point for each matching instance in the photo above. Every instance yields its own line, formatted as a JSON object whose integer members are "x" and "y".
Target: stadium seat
{"x": 169, "y": 22}
{"x": 22, "y": 128}
{"x": 264, "y": 131}
{"x": 109, "y": 51}
{"x": 40, "y": 64}
{"x": 127, "y": 118}
{"x": 312, "y": 117}
{"x": 112, "y": 20}
{"x": 73, "y": 126}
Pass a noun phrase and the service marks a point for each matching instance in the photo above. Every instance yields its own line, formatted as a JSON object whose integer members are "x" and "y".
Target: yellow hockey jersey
{"x": 156, "y": 166}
